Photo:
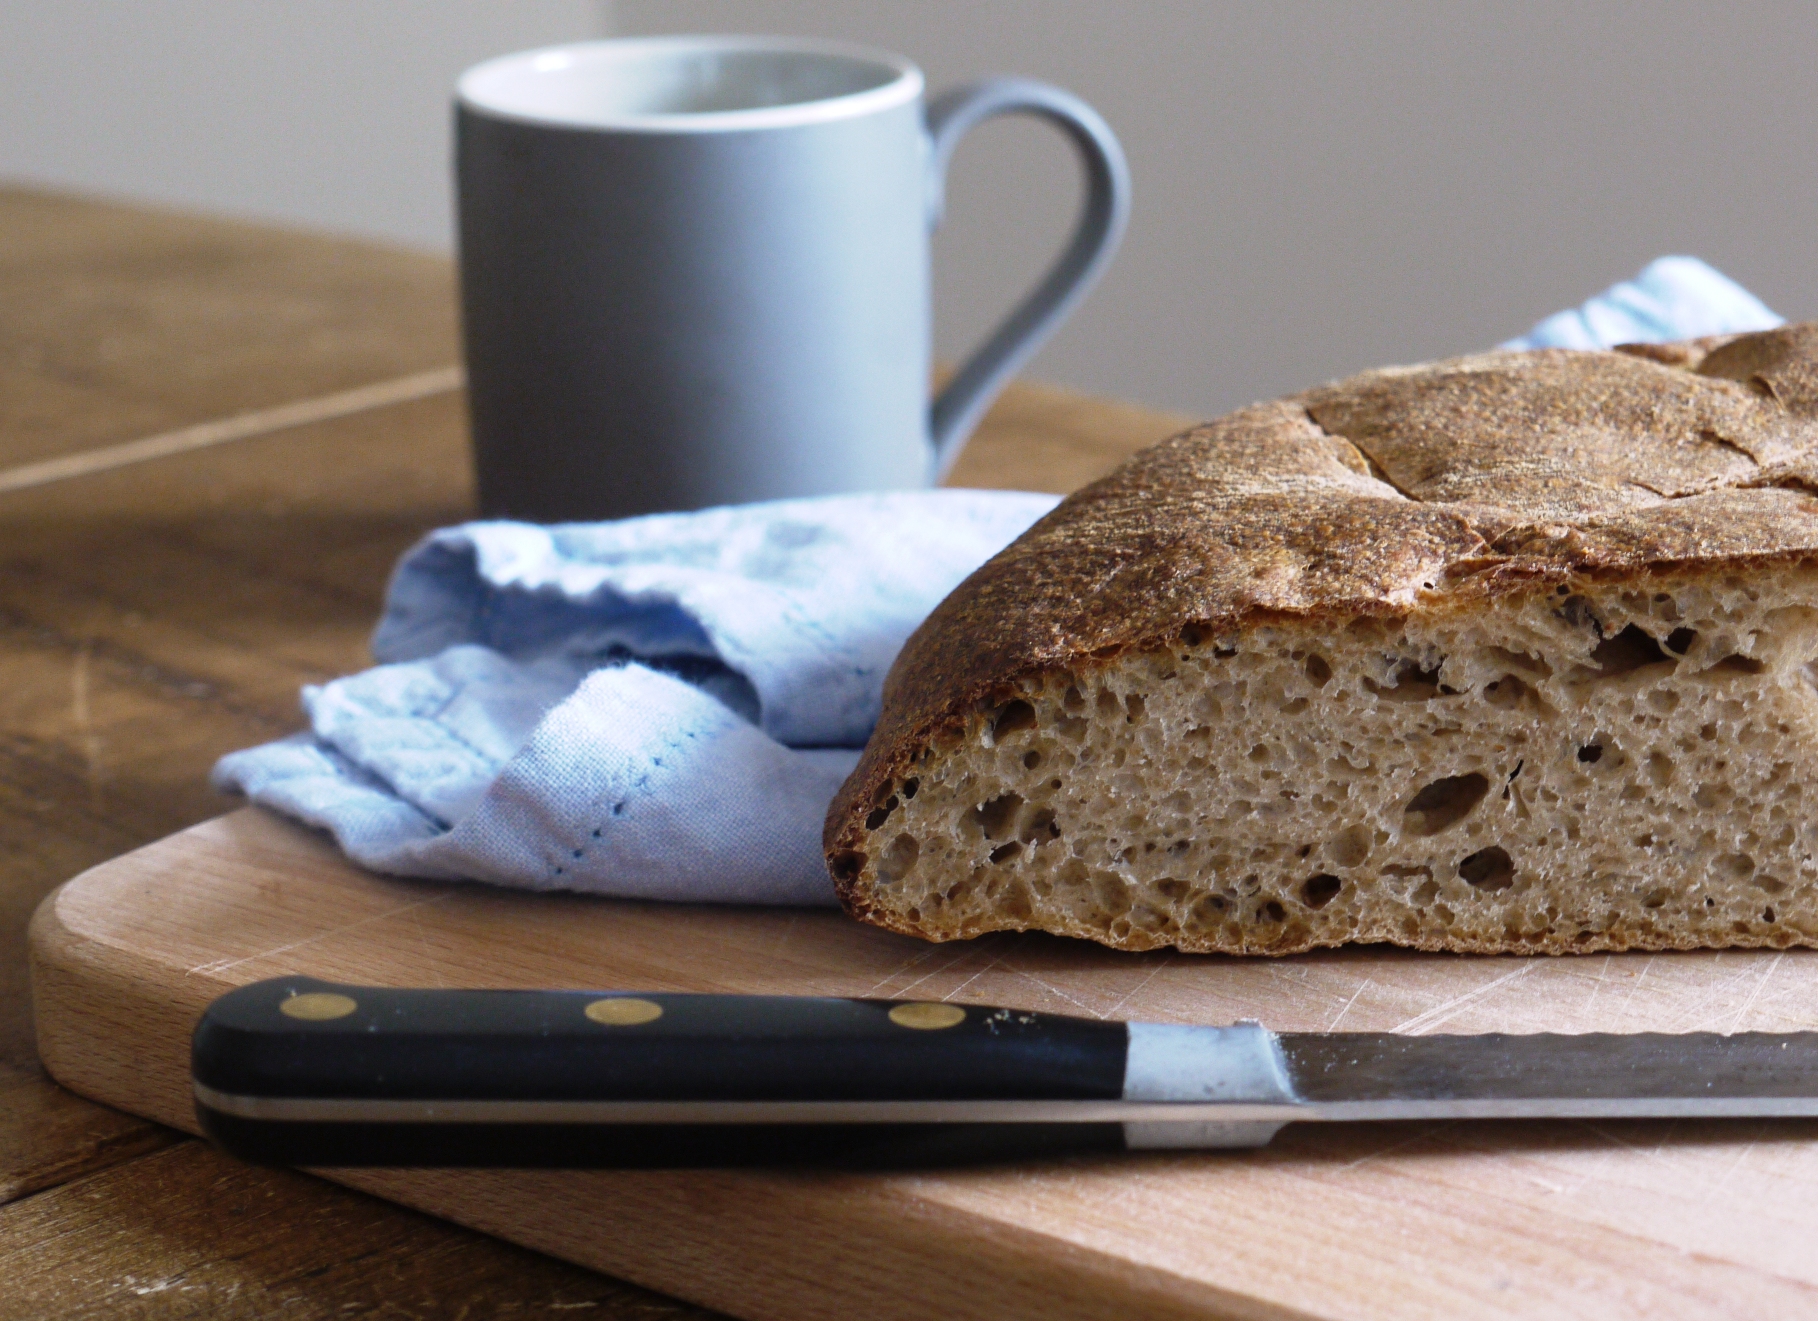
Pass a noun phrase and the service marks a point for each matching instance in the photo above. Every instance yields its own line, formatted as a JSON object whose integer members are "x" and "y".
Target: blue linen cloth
{"x": 662, "y": 707}
{"x": 1673, "y": 298}
{"x": 657, "y": 708}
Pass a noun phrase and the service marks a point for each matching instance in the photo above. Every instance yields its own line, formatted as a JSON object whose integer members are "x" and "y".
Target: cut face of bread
{"x": 1599, "y": 769}
{"x": 1265, "y": 689}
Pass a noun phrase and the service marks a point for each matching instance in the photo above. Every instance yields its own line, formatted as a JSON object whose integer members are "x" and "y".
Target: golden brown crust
{"x": 1413, "y": 487}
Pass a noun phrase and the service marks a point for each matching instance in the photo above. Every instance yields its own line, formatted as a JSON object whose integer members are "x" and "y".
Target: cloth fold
{"x": 662, "y": 707}
{"x": 1672, "y": 298}
{"x": 659, "y": 707}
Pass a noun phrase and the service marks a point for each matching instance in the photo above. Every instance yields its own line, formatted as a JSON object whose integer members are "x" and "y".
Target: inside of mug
{"x": 620, "y": 83}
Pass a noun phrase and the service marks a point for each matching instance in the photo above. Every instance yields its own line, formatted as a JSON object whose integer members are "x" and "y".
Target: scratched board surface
{"x": 1644, "y": 1218}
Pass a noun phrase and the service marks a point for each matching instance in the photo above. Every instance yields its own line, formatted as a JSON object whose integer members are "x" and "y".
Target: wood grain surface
{"x": 154, "y": 616}
{"x": 122, "y": 322}
{"x": 210, "y": 1237}
{"x": 1632, "y": 1219}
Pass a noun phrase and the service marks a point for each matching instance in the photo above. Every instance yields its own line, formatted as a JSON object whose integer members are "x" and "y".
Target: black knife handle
{"x": 296, "y": 1037}
{"x": 295, "y": 1040}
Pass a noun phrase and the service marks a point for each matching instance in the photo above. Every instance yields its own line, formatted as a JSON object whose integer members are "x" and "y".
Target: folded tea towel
{"x": 1674, "y": 298}
{"x": 662, "y": 707}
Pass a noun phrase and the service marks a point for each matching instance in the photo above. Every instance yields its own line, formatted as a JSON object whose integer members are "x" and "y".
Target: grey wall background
{"x": 332, "y": 113}
{"x": 1320, "y": 187}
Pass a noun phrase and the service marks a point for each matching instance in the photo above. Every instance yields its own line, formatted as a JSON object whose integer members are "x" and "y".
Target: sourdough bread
{"x": 1516, "y": 652}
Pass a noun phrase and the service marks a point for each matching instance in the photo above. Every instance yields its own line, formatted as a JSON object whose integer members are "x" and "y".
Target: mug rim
{"x": 905, "y": 87}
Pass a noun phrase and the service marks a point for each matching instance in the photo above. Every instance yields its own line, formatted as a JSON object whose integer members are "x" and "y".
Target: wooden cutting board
{"x": 1645, "y": 1218}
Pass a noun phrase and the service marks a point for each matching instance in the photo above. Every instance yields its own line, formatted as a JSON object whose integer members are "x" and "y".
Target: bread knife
{"x": 303, "y": 1072}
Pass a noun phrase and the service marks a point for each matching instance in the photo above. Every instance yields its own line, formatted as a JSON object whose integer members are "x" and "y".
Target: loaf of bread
{"x": 1516, "y": 652}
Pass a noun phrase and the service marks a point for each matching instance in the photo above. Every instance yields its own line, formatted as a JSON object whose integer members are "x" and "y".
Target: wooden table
{"x": 215, "y": 439}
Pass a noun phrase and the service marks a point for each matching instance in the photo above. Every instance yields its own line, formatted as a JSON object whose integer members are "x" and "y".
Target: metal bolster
{"x": 1240, "y": 1065}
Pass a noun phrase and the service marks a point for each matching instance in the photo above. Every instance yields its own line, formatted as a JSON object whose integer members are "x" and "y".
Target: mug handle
{"x": 957, "y": 409}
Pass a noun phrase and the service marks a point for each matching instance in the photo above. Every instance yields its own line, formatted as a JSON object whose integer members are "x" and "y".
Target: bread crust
{"x": 1402, "y": 490}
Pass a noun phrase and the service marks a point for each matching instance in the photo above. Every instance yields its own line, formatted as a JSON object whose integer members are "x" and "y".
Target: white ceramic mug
{"x": 695, "y": 270}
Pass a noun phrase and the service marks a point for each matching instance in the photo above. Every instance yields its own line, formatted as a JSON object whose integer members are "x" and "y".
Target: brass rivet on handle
{"x": 926, "y": 1015}
{"x": 317, "y": 1006}
{"x": 624, "y": 1011}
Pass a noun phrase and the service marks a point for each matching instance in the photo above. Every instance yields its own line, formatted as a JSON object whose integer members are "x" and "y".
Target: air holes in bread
{"x": 1318, "y": 891}
{"x": 1488, "y": 869}
{"x": 899, "y": 859}
{"x": 1506, "y": 691}
{"x": 1411, "y": 683}
{"x": 1208, "y": 909}
{"x": 1011, "y": 717}
{"x": 1350, "y": 846}
{"x": 997, "y": 817}
{"x": 1039, "y": 826}
{"x": 1627, "y": 652}
{"x": 1736, "y": 664}
{"x": 1578, "y": 611}
{"x": 1681, "y": 640}
{"x": 1444, "y": 803}
{"x": 1318, "y": 672}
{"x": 881, "y": 813}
